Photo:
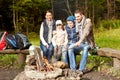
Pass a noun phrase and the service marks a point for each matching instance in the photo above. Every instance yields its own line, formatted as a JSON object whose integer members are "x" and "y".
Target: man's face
{"x": 78, "y": 17}
{"x": 48, "y": 16}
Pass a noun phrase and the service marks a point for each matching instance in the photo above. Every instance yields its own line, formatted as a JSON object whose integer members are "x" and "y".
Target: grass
{"x": 108, "y": 38}
{"x": 8, "y": 60}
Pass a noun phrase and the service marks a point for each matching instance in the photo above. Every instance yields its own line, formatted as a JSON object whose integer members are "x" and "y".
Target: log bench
{"x": 20, "y": 53}
{"x": 106, "y": 52}
{"x": 109, "y": 52}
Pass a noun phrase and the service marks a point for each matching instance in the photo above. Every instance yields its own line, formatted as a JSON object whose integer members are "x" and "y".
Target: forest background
{"x": 26, "y": 16}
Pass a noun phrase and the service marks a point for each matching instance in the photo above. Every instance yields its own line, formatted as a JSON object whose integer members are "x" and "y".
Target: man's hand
{"x": 77, "y": 43}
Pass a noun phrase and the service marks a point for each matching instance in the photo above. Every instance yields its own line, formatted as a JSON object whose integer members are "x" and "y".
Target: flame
{"x": 46, "y": 66}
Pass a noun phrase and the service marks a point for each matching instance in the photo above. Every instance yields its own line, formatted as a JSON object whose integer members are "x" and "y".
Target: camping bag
{"x": 3, "y": 44}
{"x": 11, "y": 41}
{"x": 22, "y": 41}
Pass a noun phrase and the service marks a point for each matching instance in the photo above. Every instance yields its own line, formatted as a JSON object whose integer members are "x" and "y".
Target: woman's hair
{"x": 48, "y": 11}
{"x": 63, "y": 28}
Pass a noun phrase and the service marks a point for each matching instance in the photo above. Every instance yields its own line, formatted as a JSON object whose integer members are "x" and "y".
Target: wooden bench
{"x": 109, "y": 52}
{"x": 20, "y": 53}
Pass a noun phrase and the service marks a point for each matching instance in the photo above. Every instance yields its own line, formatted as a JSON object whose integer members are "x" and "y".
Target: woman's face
{"x": 48, "y": 16}
{"x": 70, "y": 24}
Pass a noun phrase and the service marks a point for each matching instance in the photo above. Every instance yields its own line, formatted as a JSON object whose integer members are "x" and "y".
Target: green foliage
{"x": 96, "y": 62}
{"x": 108, "y": 24}
{"x": 34, "y": 38}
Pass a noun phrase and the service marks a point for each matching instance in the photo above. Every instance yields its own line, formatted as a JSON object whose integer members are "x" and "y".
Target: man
{"x": 46, "y": 30}
{"x": 86, "y": 40}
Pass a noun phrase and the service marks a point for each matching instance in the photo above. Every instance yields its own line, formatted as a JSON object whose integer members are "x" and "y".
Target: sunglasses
{"x": 59, "y": 25}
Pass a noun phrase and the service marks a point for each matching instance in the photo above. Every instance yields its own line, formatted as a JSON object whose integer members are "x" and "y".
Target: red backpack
{"x": 3, "y": 44}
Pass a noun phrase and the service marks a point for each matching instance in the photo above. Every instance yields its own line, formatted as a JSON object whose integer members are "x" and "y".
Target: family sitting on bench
{"x": 61, "y": 42}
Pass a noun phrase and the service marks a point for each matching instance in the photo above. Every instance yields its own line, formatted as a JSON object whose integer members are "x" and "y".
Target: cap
{"x": 71, "y": 18}
{"x": 58, "y": 22}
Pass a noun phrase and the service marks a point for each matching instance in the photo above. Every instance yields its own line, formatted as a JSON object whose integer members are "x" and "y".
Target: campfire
{"x": 40, "y": 63}
{"x": 46, "y": 66}
{"x": 38, "y": 68}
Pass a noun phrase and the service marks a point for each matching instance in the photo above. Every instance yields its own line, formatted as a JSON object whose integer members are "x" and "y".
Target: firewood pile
{"x": 37, "y": 60}
{"x": 47, "y": 71}
{"x": 38, "y": 68}
{"x": 34, "y": 64}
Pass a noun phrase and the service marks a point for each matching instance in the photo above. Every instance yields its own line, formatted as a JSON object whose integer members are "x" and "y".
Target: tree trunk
{"x": 93, "y": 15}
{"x": 26, "y": 23}
{"x": 52, "y": 7}
{"x": 86, "y": 8}
{"x": 17, "y": 26}
{"x": 76, "y": 4}
{"x": 14, "y": 18}
{"x": 68, "y": 6}
{"x": 108, "y": 9}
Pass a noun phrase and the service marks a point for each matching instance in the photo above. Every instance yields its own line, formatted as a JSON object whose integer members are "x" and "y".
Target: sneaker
{"x": 79, "y": 72}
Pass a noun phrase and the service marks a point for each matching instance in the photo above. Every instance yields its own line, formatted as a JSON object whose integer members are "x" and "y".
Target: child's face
{"x": 59, "y": 26}
{"x": 70, "y": 24}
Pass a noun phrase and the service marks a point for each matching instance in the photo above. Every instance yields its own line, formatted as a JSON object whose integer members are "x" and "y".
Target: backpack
{"x": 22, "y": 41}
{"x": 3, "y": 44}
{"x": 11, "y": 41}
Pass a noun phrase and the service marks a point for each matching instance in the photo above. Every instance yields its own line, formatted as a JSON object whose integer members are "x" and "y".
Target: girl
{"x": 59, "y": 40}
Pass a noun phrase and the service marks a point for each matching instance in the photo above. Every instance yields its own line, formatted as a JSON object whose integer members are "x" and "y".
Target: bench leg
{"x": 116, "y": 64}
{"x": 21, "y": 58}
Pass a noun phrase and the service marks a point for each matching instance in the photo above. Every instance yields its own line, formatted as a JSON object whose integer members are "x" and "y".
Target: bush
{"x": 108, "y": 24}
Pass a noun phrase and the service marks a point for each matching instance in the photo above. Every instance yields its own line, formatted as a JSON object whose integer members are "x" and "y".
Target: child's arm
{"x": 54, "y": 40}
{"x": 54, "y": 32}
{"x": 66, "y": 39}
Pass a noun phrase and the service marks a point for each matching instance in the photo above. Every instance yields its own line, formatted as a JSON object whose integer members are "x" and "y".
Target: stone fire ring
{"x": 34, "y": 74}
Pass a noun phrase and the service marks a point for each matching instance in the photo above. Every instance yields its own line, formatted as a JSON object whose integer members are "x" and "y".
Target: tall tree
{"x": 28, "y": 12}
{"x": 68, "y": 6}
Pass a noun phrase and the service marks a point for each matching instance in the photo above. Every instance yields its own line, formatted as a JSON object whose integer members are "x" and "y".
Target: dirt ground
{"x": 9, "y": 74}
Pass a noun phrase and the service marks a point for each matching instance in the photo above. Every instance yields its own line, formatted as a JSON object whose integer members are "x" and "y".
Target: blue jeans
{"x": 47, "y": 52}
{"x": 84, "y": 47}
{"x": 65, "y": 57}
